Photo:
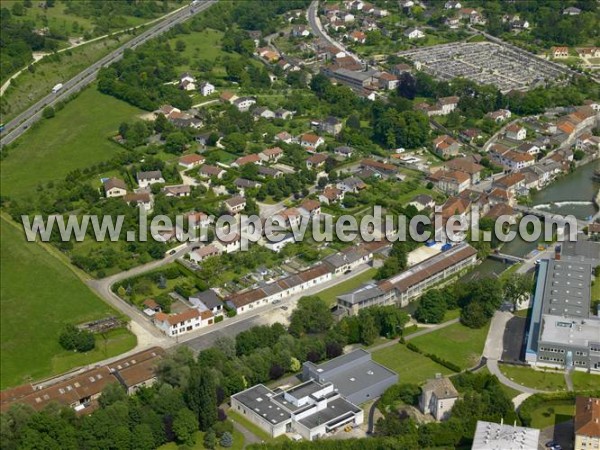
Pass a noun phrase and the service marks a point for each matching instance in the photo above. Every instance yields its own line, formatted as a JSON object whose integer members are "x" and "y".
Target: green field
{"x": 596, "y": 289}
{"x": 76, "y": 138}
{"x": 585, "y": 381}
{"x": 329, "y": 295}
{"x": 552, "y": 412}
{"x": 458, "y": 344}
{"x": 525, "y": 376}
{"x": 38, "y": 296}
{"x": 29, "y": 87}
{"x": 411, "y": 367}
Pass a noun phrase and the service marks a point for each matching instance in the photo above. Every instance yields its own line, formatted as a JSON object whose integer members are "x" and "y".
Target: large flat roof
{"x": 577, "y": 333}
{"x": 582, "y": 250}
{"x": 258, "y": 398}
{"x": 336, "y": 410}
{"x": 567, "y": 289}
{"x": 495, "y": 436}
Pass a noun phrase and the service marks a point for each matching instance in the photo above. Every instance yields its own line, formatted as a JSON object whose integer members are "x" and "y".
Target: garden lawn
{"x": 552, "y": 412}
{"x": 596, "y": 289}
{"x": 457, "y": 343}
{"x": 411, "y": 367}
{"x": 38, "y": 295}
{"x": 254, "y": 429}
{"x": 76, "y": 138}
{"x": 525, "y": 376}
{"x": 583, "y": 381}
{"x": 330, "y": 295}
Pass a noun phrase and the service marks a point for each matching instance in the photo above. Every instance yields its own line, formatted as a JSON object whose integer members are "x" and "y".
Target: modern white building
{"x": 498, "y": 436}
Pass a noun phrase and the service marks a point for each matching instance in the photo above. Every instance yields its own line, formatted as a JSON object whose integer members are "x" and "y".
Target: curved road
{"x": 23, "y": 121}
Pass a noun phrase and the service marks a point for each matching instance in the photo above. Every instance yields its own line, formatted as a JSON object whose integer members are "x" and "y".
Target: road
{"x": 493, "y": 352}
{"x": 16, "y": 127}
{"x": 315, "y": 24}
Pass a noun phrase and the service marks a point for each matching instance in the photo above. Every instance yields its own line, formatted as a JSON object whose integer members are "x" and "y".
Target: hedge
{"x": 448, "y": 364}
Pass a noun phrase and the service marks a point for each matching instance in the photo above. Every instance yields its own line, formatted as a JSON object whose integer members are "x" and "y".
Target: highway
{"x": 16, "y": 127}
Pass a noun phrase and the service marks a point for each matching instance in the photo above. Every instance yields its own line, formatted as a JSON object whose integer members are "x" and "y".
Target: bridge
{"x": 508, "y": 259}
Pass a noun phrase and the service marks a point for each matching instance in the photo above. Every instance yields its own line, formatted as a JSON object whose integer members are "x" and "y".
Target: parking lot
{"x": 484, "y": 63}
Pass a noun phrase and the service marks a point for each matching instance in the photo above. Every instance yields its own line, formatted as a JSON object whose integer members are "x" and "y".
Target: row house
{"x": 468, "y": 166}
{"x": 510, "y": 159}
{"x": 451, "y": 182}
{"x": 294, "y": 284}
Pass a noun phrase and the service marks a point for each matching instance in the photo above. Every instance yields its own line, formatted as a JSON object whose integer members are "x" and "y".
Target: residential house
{"x": 529, "y": 148}
{"x": 276, "y": 243}
{"x": 187, "y": 82}
{"x": 230, "y": 243}
{"x": 179, "y": 190}
{"x": 282, "y": 113}
{"x": 344, "y": 151}
{"x": 269, "y": 172}
{"x": 452, "y": 22}
{"x": 452, "y": 5}
{"x": 331, "y": 125}
{"x": 510, "y": 159}
{"x": 235, "y": 205}
{"x": 399, "y": 69}
{"x": 451, "y": 182}
{"x": 352, "y": 184}
{"x": 311, "y": 141}
{"x": 311, "y": 207}
{"x": 243, "y": 104}
{"x": 300, "y": 31}
{"x": 331, "y": 195}
{"x": 291, "y": 216}
{"x": 500, "y": 115}
{"x": 208, "y": 171}
{"x": 206, "y": 88}
{"x": 571, "y": 11}
{"x": 177, "y": 324}
{"x": 467, "y": 166}
{"x": 316, "y": 161}
{"x": 383, "y": 168}
{"x": 142, "y": 200}
{"x": 470, "y": 134}
{"x": 263, "y": 112}
{"x": 207, "y": 301}
{"x": 512, "y": 183}
{"x": 253, "y": 158}
{"x": 438, "y": 397}
{"x": 185, "y": 120}
{"x": 191, "y": 161}
{"x": 145, "y": 179}
{"x": 559, "y": 52}
{"x": 207, "y": 251}
{"x": 243, "y": 184}
{"x": 348, "y": 259}
{"x": 284, "y": 136}
{"x": 271, "y": 155}
{"x": 197, "y": 219}
{"x": 448, "y": 104}
{"x": 414, "y": 33}
{"x": 358, "y": 36}
{"x": 114, "y": 187}
{"x": 387, "y": 81}
{"x": 587, "y": 423}
{"x": 228, "y": 97}
{"x": 589, "y": 52}
{"x": 422, "y": 201}
{"x": 446, "y": 146}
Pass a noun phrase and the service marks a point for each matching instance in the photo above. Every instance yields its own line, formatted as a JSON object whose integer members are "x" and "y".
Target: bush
{"x": 72, "y": 338}
{"x": 231, "y": 313}
{"x": 48, "y": 112}
{"x": 223, "y": 427}
{"x": 226, "y": 440}
{"x": 219, "y": 319}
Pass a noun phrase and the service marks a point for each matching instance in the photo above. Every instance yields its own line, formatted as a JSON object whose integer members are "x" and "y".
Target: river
{"x": 572, "y": 194}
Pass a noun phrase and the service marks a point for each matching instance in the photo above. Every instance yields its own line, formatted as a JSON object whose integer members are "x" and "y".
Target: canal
{"x": 572, "y": 194}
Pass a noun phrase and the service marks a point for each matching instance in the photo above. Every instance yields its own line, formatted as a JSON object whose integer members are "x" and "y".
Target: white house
{"x": 189, "y": 320}
{"x": 516, "y": 132}
{"x": 206, "y": 88}
{"x": 143, "y": 201}
{"x": 452, "y": 5}
{"x": 187, "y": 82}
{"x": 414, "y": 33}
{"x": 277, "y": 245}
{"x": 235, "y": 204}
{"x": 310, "y": 140}
{"x": 438, "y": 397}
{"x": 191, "y": 161}
{"x": 113, "y": 187}
{"x": 178, "y": 190}
{"x": 207, "y": 251}
{"x": 244, "y": 103}
{"x": 145, "y": 179}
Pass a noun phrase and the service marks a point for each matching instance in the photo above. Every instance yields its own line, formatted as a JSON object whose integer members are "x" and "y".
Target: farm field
{"x": 411, "y": 367}
{"x": 457, "y": 343}
{"x": 76, "y": 138}
{"x": 39, "y": 295}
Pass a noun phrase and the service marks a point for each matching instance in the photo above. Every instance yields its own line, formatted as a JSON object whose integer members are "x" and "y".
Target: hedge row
{"x": 448, "y": 364}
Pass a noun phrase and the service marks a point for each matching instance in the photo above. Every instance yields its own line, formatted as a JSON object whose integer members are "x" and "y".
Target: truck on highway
{"x": 57, "y": 88}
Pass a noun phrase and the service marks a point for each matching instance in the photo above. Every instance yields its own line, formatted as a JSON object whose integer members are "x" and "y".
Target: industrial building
{"x": 564, "y": 331}
{"x": 499, "y": 436}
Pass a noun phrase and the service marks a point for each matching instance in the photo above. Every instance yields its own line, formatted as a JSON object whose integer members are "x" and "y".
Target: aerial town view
{"x": 300, "y": 224}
